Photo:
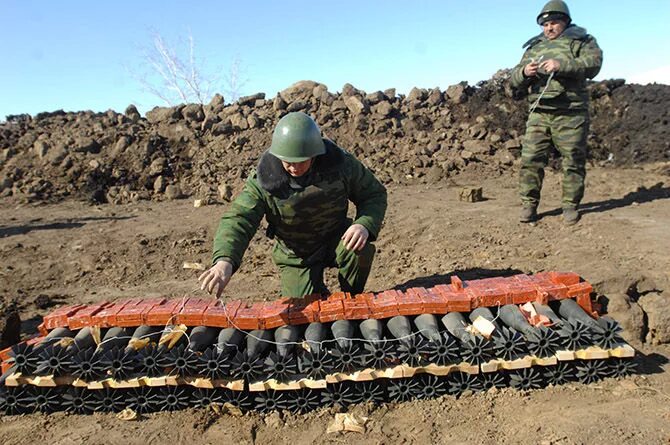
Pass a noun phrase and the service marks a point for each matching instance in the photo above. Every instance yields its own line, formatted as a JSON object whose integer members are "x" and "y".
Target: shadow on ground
{"x": 650, "y": 363}
{"x": 466, "y": 274}
{"x": 7, "y": 231}
{"x": 640, "y": 196}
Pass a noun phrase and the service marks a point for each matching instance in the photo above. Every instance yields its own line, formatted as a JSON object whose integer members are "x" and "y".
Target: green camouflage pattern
{"x": 565, "y": 131}
{"x": 561, "y": 118}
{"x": 580, "y": 58}
{"x": 300, "y": 278}
{"x": 307, "y": 221}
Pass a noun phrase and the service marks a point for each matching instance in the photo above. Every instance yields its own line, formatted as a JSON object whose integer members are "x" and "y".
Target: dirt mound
{"x": 423, "y": 137}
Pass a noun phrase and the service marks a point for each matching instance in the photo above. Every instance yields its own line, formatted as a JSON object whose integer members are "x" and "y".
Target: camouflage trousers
{"x": 567, "y": 133}
{"x": 304, "y": 276}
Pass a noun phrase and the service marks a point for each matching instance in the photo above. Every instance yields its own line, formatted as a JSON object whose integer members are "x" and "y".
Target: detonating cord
{"x": 321, "y": 343}
{"x": 537, "y": 101}
{"x": 169, "y": 328}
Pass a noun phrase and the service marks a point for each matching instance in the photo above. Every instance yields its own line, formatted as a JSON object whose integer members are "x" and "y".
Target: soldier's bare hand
{"x": 550, "y": 65}
{"x": 530, "y": 70}
{"x": 355, "y": 237}
{"x": 216, "y": 278}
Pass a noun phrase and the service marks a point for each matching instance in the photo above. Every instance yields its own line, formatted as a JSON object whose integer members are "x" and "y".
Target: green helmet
{"x": 297, "y": 138}
{"x": 554, "y": 10}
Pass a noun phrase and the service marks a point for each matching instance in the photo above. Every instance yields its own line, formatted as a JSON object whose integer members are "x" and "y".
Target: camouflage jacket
{"x": 580, "y": 58}
{"x": 305, "y": 213}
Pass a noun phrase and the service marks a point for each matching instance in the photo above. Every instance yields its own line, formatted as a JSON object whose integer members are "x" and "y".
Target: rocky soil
{"x": 207, "y": 151}
{"x": 100, "y": 206}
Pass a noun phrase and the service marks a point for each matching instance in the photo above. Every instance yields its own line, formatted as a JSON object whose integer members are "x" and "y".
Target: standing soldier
{"x": 303, "y": 185}
{"x": 554, "y": 70}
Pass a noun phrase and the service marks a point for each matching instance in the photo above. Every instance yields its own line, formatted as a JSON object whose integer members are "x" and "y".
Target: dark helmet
{"x": 554, "y": 10}
{"x": 296, "y": 138}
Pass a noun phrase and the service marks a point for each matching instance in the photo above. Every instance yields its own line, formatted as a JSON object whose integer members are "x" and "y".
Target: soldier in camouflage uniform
{"x": 554, "y": 70}
{"x": 302, "y": 186}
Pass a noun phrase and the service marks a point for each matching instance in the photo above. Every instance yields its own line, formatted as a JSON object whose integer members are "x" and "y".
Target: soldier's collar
{"x": 271, "y": 174}
{"x": 571, "y": 32}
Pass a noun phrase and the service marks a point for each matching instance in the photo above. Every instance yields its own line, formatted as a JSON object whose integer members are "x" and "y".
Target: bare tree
{"x": 175, "y": 74}
{"x": 235, "y": 79}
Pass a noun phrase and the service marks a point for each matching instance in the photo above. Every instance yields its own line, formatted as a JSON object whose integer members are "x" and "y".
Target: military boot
{"x": 528, "y": 213}
{"x": 570, "y": 216}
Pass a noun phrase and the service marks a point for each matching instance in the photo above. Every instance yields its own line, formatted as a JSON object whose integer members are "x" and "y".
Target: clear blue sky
{"x": 76, "y": 55}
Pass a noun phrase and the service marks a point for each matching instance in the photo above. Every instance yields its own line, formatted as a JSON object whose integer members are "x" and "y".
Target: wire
{"x": 320, "y": 343}
{"x": 537, "y": 101}
{"x": 169, "y": 327}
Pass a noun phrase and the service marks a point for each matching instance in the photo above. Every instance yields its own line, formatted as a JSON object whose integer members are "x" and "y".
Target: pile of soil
{"x": 207, "y": 151}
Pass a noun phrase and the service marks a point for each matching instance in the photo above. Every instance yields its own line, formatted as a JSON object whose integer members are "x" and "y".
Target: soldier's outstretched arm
{"x": 369, "y": 196}
{"x": 217, "y": 277}
{"x": 236, "y": 229}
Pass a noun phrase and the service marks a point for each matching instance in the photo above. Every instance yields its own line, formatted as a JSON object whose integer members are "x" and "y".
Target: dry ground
{"x": 74, "y": 252}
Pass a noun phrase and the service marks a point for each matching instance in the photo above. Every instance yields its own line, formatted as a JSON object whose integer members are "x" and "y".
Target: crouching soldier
{"x": 302, "y": 186}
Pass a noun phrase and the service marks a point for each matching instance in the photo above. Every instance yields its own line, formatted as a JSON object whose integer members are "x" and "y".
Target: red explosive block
{"x": 555, "y": 291}
{"x": 192, "y": 313}
{"x": 304, "y": 310}
{"x": 332, "y": 308}
{"x": 524, "y": 294}
{"x": 540, "y": 276}
{"x": 432, "y": 302}
{"x": 221, "y": 316}
{"x": 487, "y": 293}
{"x": 583, "y": 288}
{"x": 582, "y": 294}
{"x": 456, "y": 283}
{"x": 84, "y": 317}
{"x": 584, "y": 300}
{"x": 337, "y": 296}
{"x": 522, "y": 278}
{"x": 565, "y": 278}
{"x": 136, "y": 314}
{"x": 356, "y": 307}
{"x": 383, "y": 305}
{"x": 248, "y": 316}
{"x": 4, "y": 354}
{"x": 275, "y": 313}
{"x": 59, "y": 317}
{"x": 408, "y": 303}
{"x": 216, "y": 316}
{"x": 107, "y": 316}
{"x": 164, "y": 314}
{"x": 456, "y": 301}
{"x": 522, "y": 289}
{"x": 35, "y": 340}
{"x": 504, "y": 284}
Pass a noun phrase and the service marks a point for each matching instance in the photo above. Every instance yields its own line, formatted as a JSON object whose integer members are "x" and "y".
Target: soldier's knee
{"x": 366, "y": 255}
{"x": 532, "y": 155}
{"x": 363, "y": 258}
{"x": 574, "y": 157}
